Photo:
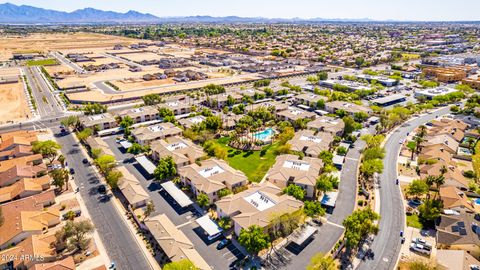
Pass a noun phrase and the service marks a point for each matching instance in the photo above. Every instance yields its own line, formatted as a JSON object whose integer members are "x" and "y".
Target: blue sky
{"x": 438, "y": 10}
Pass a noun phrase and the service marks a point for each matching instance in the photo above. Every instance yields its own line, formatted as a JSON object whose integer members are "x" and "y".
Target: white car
{"x": 401, "y": 141}
{"x": 419, "y": 241}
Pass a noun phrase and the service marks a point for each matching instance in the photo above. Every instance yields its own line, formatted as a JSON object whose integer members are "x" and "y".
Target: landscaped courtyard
{"x": 254, "y": 164}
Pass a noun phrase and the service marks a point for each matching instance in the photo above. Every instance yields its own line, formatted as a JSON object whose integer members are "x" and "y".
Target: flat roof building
{"x": 350, "y": 108}
{"x": 389, "y": 100}
{"x": 433, "y": 92}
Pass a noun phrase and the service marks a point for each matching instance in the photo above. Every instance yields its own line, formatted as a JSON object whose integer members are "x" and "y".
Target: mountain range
{"x": 13, "y": 14}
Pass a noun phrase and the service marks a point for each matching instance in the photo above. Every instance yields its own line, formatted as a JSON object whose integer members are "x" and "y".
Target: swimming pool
{"x": 477, "y": 201}
{"x": 264, "y": 135}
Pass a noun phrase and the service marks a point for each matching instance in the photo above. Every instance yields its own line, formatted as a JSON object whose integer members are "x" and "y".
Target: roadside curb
{"x": 148, "y": 256}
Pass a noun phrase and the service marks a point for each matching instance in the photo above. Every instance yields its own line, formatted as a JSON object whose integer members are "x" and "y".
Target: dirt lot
{"x": 14, "y": 105}
{"x": 46, "y": 42}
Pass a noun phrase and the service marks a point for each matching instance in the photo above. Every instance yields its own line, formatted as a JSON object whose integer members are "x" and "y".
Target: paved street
{"x": 121, "y": 245}
{"x": 67, "y": 62}
{"x": 182, "y": 219}
{"x": 386, "y": 245}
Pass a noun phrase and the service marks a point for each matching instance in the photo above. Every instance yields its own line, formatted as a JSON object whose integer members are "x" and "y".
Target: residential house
{"x": 290, "y": 169}
{"x": 183, "y": 151}
{"x": 459, "y": 232}
{"x": 24, "y": 188}
{"x": 174, "y": 243}
{"x": 145, "y": 135}
{"x": 256, "y": 206}
{"x": 327, "y": 124}
{"x": 311, "y": 143}
{"x": 16, "y": 151}
{"x": 455, "y": 260}
{"x": 211, "y": 176}
{"x": 35, "y": 252}
{"x": 23, "y": 218}
{"x": 453, "y": 175}
{"x": 455, "y": 199}
{"x": 131, "y": 189}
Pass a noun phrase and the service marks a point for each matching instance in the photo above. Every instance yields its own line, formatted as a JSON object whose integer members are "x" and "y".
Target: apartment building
{"x": 146, "y": 135}
{"x": 293, "y": 114}
{"x": 290, "y": 169}
{"x": 142, "y": 114}
{"x": 211, "y": 176}
{"x": 99, "y": 121}
{"x": 348, "y": 107}
{"x": 311, "y": 143}
{"x": 183, "y": 151}
{"x": 327, "y": 124}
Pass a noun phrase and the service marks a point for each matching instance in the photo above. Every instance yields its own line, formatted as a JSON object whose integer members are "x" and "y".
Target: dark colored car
{"x": 102, "y": 189}
{"x": 72, "y": 171}
{"x": 85, "y": 161}
{"x": 223, "y": 243}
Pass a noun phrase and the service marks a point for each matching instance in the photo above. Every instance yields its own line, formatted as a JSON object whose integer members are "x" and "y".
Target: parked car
{"x": 85, "y": 161}
{"x": 420, "y": 248}
{"x": 102, "y": 189}
{"x": 72, "y": 171}
{"x": 223, "y": 243}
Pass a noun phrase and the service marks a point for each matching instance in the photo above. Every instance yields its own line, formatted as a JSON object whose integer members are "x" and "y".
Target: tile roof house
{"x": 145, "y": 135}
{"x": 24, "y": 188}
{"x": 10, "y": 140}
{"x": 453, "y": 176}
{"x": 292, "y": 114}
{"x": 23, "y": 218}
{"x": 65, "y": 264}
{"x": 256, "y": 205}
{"x": 33, "y": 252}
{"x": 131, "y": 189}
{"x": 182, "y": 151}
{"x": 328, "y": 124}
{"x": 311, "y": 143}
{"x": 443, "y": 142}
{"x": 174, "y": 243}
{"x": 211, "y": 176}
{"x": 17, "y": 172}
{"x": 459, "y": 232}
{"x": 16, "y": 151}
{"x": 289, "y": 169}
{"x": 454, "y": 199}
{"x": 277, "y": 105}
{"x": 454, "y": 260}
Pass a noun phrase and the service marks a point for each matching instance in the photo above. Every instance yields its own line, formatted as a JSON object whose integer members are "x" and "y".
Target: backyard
{"x": 254, "y": 164}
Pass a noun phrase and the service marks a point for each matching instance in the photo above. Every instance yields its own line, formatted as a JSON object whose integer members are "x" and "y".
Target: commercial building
{"x": 446, "y": 75}
{"x": 433, "y": 92}
{"x": 290, "y": 169}
{"x": 348, "y": 85}
{"x": 389, "y": 100}
{"x": 382, "y": 80}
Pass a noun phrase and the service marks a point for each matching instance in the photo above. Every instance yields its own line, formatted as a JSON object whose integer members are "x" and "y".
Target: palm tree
{"x": 443, "y": 170}
{"x": 422, "y": 132}
{"x": 430, "y": 180}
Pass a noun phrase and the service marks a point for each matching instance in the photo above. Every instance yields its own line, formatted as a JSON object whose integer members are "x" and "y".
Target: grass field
{"x": 414, "y": 221}
{"x": 252, "y": 163}
{"x": 43, "y": 62}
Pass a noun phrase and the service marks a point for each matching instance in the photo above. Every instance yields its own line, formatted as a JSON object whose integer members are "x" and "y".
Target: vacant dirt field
{"x": 14, "y": 104}
{"x": 48, "y": 42}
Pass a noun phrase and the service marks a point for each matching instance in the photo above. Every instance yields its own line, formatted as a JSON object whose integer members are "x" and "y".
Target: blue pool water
{"x": 477, "y": 201}
{"x": 264, "y": 135}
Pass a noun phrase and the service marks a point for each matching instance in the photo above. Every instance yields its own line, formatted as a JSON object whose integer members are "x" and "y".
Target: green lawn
{"x": 251, "y": 163}
{"x": 43, "y": 62}
{"x": 476, "y": 159}
{"x": 414, "y": 221}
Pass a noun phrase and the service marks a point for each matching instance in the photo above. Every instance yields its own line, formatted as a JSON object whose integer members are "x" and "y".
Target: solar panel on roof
{"x": 463, "y": 232}
{"x": 455, "y": 228}
{"x": 461, "y": 224}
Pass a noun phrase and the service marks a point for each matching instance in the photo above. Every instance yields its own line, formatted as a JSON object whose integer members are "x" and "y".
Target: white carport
{"x": 179, "y": 196}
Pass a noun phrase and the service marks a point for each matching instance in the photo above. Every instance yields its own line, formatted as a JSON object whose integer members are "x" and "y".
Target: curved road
{"x": 386, "y": 245}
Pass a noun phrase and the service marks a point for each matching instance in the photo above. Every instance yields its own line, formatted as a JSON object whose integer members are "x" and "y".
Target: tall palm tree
{"x": 443, "y": 170}
{"x": 430, "y": 180}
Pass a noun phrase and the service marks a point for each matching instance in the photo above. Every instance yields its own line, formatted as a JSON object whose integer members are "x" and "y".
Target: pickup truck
{"x": 420, "y": 248}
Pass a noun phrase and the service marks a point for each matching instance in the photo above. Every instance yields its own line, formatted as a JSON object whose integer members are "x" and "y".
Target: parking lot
{"x": 184, "y": 219}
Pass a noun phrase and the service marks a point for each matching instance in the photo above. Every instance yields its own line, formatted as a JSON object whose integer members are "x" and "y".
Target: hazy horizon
{"x": 407, "y": 10}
